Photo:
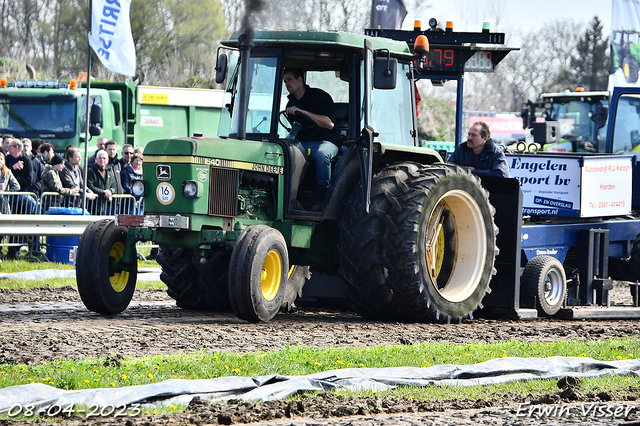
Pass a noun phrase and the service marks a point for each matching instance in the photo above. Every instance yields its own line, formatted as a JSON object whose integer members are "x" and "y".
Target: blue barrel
{"x": 62, "y": 249}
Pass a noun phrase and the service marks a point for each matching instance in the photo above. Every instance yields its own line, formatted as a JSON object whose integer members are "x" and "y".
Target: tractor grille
{"x": 223, "y": 192}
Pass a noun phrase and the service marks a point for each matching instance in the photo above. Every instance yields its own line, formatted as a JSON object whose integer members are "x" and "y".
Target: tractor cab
{"x": 368, "y": 79}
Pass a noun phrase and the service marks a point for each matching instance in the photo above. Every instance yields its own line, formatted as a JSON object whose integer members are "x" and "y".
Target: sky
{"x": 515, "y": 15}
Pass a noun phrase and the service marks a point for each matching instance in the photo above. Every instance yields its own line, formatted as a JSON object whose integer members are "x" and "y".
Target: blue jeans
{"x": 24, "y": 204}
{"x": 321, "y": 154}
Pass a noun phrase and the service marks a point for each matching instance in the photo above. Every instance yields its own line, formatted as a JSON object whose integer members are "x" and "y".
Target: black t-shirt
{"x": 23, "y": 176}
{"x": 318, "y": 102}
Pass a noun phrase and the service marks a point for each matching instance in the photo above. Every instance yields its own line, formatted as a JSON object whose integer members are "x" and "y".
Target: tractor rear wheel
{"x": 298, "y": 276}
{"x": 427, "y": 249}
{"x": 630, "y": 68}
{"x": 104, "y": 289}
{"x": 441, "y": 245}
{"x": 258, "y": 273}
{"x": 362, "y": 246}
{"x": 198, "y": 284}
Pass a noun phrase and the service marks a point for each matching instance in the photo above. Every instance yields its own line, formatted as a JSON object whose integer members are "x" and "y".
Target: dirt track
{"x": 44, "y": 325}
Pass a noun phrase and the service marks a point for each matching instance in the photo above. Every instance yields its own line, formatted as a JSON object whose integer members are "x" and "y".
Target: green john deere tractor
{"x": 413, "y": 237}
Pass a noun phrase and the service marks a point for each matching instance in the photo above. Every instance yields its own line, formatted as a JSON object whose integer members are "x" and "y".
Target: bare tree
{"x": 526, "y": 73}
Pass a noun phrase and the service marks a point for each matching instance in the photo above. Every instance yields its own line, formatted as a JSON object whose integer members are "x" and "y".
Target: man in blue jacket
{"x": 480, "y": 154}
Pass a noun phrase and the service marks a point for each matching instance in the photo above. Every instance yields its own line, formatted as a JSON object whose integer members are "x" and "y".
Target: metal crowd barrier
{"x": 119, "y": 204}
{"x": 24, "y": 217}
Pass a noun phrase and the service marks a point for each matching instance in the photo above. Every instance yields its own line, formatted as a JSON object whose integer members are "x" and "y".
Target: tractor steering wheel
{"x": 305, "y": 121}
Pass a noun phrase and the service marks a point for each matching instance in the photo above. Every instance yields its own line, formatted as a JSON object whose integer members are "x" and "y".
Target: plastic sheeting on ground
{"x": 144, "y": 274}
{"x": 263, "y": 388}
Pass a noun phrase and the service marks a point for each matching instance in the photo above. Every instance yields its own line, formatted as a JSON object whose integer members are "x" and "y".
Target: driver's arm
{"x": 321, "y": 120}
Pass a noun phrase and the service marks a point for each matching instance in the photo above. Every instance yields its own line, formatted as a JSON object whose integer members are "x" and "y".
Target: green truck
{"x": 413, "y": 237}
{"x": 56, "y": 111}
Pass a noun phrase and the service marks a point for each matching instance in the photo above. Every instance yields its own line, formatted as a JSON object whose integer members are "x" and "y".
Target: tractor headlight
{"x": 190, "y": 189}
{"x": 137, "y": 188}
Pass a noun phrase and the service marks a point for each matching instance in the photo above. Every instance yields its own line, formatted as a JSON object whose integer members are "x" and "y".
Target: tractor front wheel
{"x": 102, "y": 286}
{"x": 258, "y": 273}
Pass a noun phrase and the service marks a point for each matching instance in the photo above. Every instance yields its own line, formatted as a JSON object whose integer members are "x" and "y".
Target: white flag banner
{"x": 625, "y": 44}
{"x": 110, "y": 35}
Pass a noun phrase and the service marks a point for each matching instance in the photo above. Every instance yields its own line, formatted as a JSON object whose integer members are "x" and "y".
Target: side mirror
{"x": 95, "y": 117}
{"x": 600, "y": 116}
{"x": 385, "y": 73}
{"x": 94, "y": 130}
{"x": 221, "y": 68}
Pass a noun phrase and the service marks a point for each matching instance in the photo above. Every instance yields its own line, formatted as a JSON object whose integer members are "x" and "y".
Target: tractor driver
{"x": 480, "y": 154}
{"x": 320, "y": 138}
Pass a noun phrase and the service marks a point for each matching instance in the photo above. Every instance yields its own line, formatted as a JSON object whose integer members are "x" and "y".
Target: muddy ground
{"x": 49, "y": 324}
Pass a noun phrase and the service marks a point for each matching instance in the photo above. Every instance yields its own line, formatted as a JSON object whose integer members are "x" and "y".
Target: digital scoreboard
{"x": 457, "y": 60}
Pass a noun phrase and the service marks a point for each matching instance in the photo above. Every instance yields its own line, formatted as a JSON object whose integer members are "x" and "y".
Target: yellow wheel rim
{"x": 439, "y": 249}
{"x": 271, "y": 275}
{"x": 118, "y": 280}
{"x": 626, "y": 70}
{"x": 470, "y": 254}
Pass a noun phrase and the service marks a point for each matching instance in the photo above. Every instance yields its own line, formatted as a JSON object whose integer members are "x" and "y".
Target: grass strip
{"x": 115, "y": 371}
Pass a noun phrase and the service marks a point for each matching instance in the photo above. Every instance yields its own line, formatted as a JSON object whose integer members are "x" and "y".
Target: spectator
{"x": 72, "y": 175}
{"x": 51, "y": 178}
{"x": 131, "y": 172}
{"x": 46, "y": 153}
{"x": 26, "y": 146}
{"x": 114, "y": 164}
{"x": 6, "y": 141}
{"x": 138, "y": 150}
{"x": 127, "y": 155}
{"x": 101, "y": 181}
{"x": 38, "y": 167}
{"x": 35, "y": 145}
{"x": 100, "y": 144}
{"x": 8, "y": 183}
{"x": 20, "y": 165}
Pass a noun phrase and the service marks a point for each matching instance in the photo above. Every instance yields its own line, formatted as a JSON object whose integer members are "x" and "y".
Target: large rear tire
{"x": 258, "y": 273}
{"x": 544, "y": 278}
{"x": 196, "y": 285}
{"x": 630, "y": 68}
{"x": 362, "y": 247}
{"x": 298, "y": 276}
{"x": 102, "y": 288}
{"x": 442, "y": 245}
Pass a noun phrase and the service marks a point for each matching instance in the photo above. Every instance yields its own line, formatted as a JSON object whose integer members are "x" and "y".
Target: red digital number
{"x": 439, "y": 52}
{"x": 448, "y": 58}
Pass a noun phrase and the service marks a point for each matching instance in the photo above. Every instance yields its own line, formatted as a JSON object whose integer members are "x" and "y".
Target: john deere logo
{"x": 163, "y": 172}
{"x": 203, "y": 175}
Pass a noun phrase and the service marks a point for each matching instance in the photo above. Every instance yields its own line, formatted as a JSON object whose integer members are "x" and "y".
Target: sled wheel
{"x": 104, "y": 289}
{"x": 544, "y": 278}
{"x": 258, "y": 274}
